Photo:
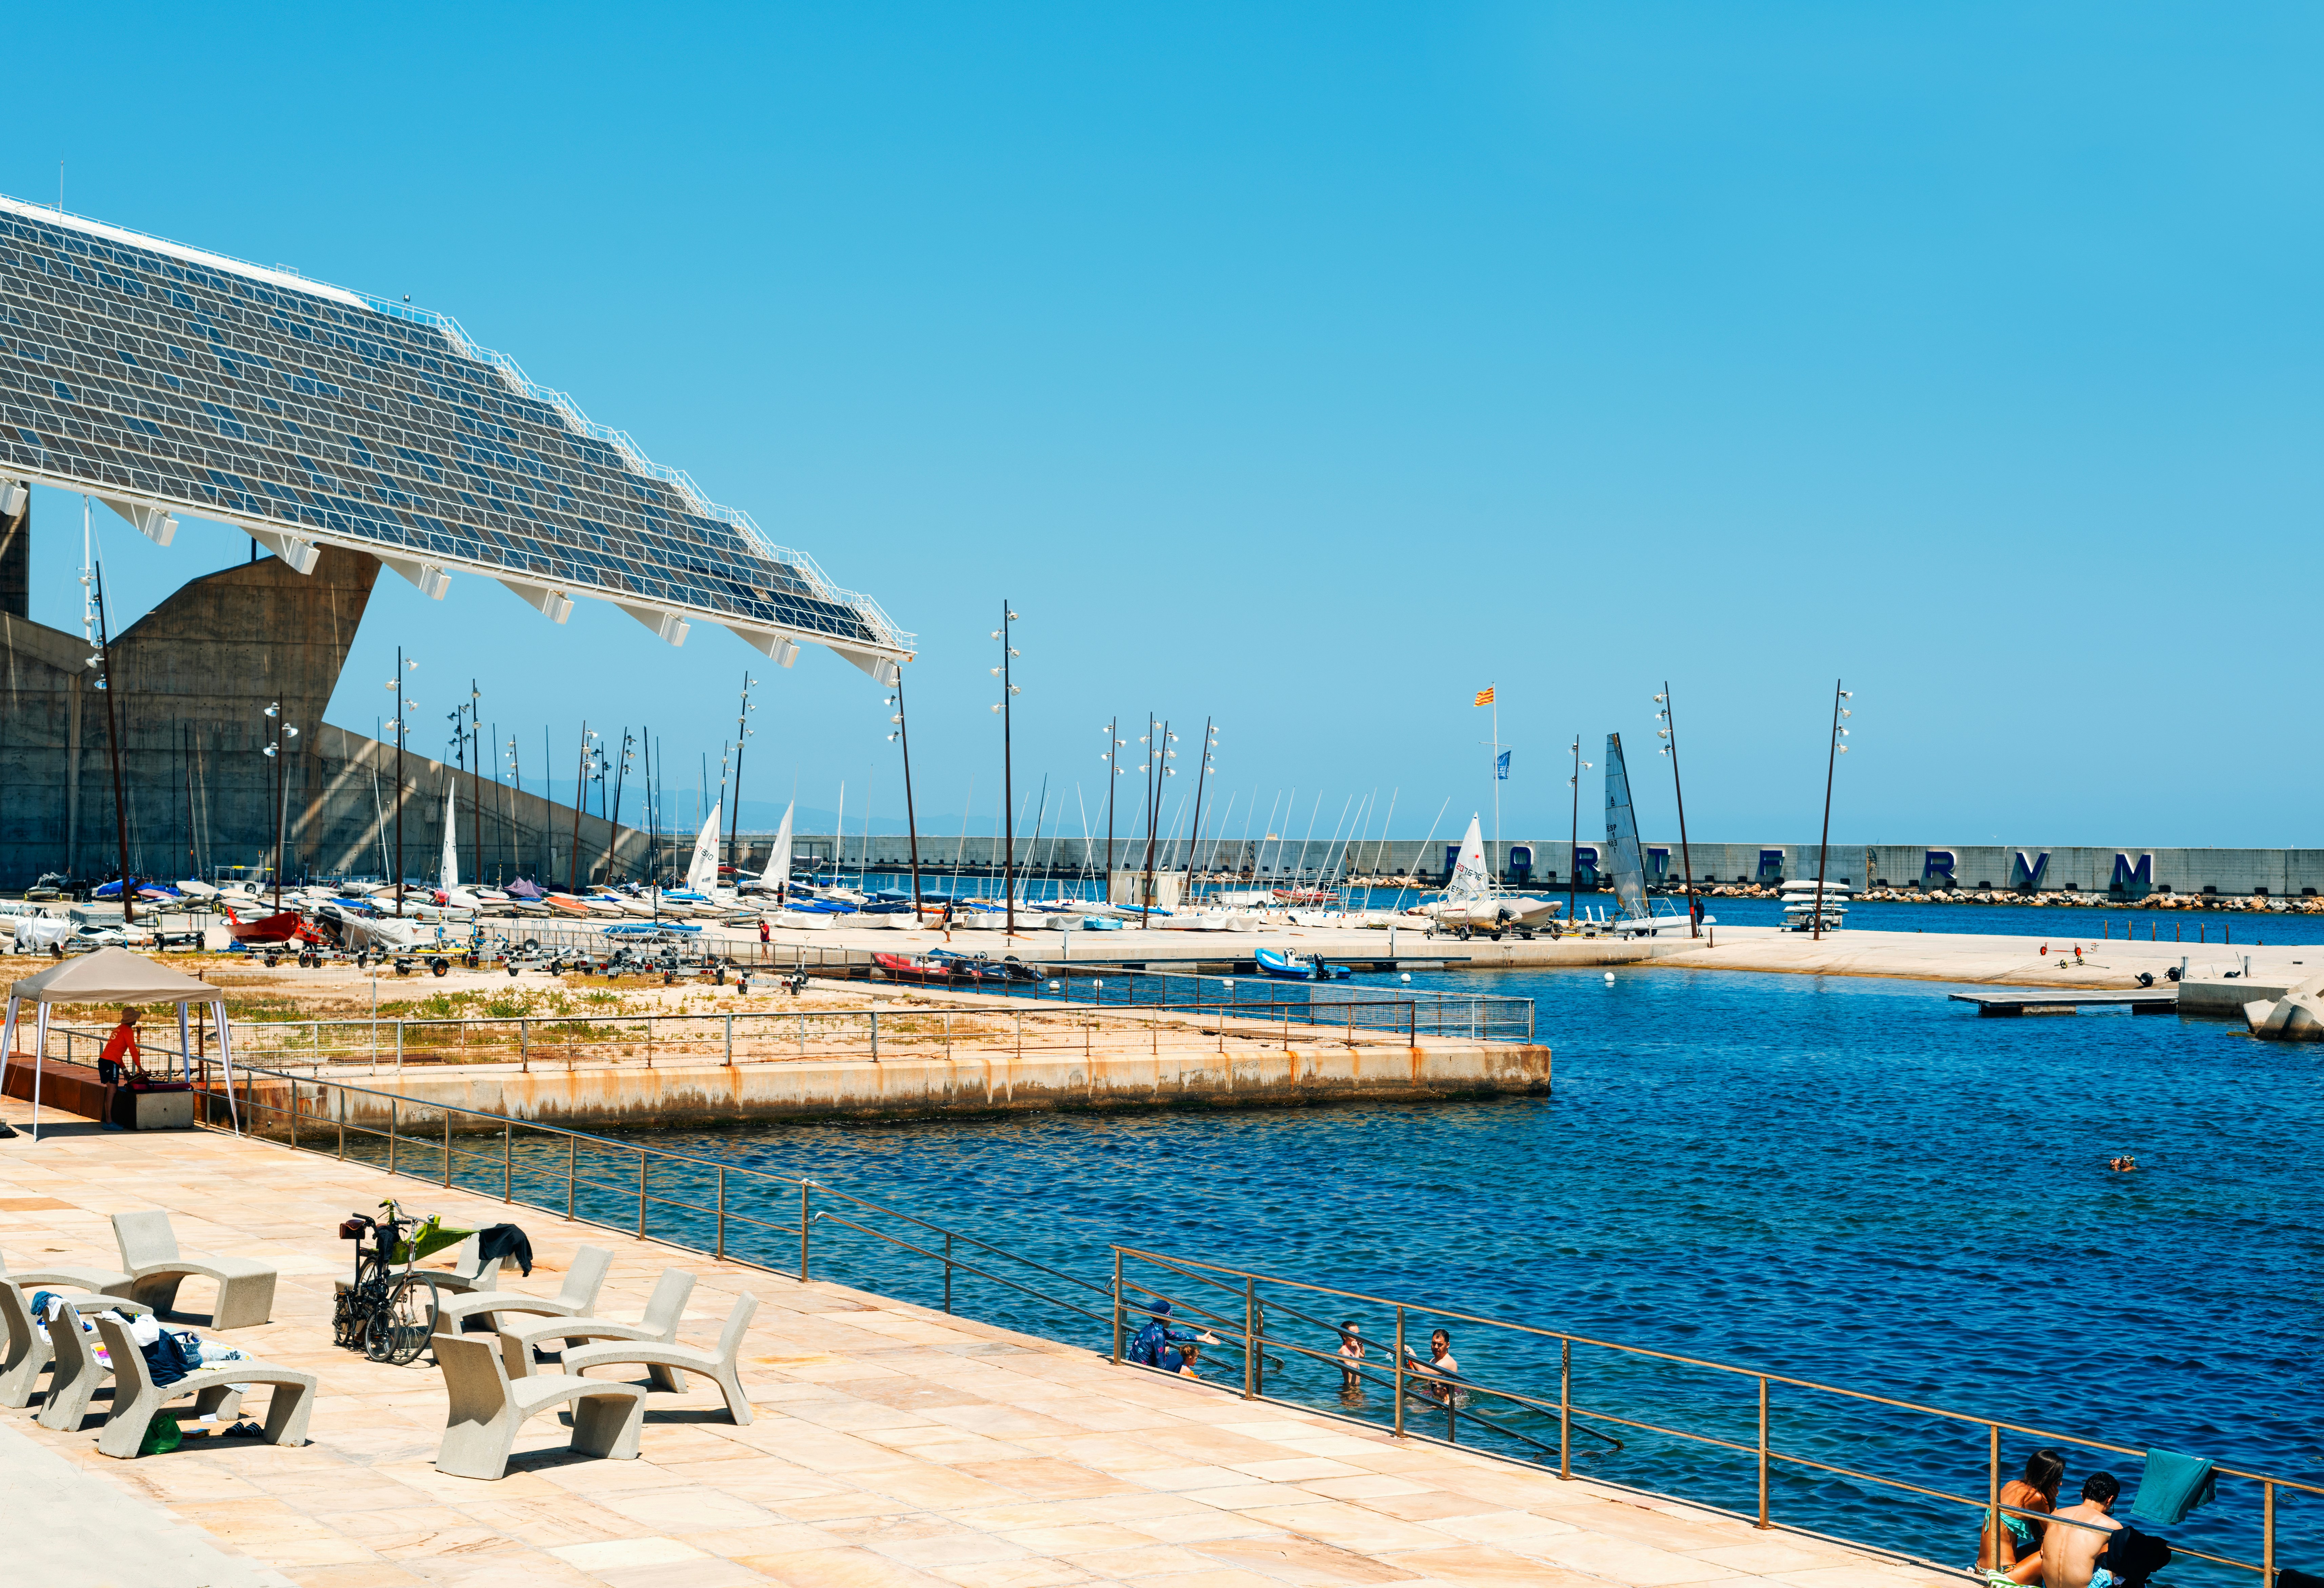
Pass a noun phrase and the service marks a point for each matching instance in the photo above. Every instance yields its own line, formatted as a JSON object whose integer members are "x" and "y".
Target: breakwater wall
{"x": 2124, "y": 871}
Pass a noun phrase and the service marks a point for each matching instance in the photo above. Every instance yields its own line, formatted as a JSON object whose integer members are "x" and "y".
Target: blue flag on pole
{"x": 1503, "y": 763}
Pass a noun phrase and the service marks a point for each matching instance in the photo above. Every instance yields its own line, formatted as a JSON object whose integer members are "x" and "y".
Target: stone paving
{"x": 892, "y": 1447}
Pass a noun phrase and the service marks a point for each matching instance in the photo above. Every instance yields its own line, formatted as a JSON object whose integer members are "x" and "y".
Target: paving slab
{"x": 892, "y": 1445}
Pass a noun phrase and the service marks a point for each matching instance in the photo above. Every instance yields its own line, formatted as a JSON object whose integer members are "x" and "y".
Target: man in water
{"x": 2123, "y": 1165}
{"x": 1441, "y": 1365}
{"x": 1352, "y": 1353}
{"x": 2070, "y": 1553}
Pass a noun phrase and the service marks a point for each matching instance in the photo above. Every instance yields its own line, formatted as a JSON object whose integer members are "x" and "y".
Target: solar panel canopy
{"x": 162, "y": 379}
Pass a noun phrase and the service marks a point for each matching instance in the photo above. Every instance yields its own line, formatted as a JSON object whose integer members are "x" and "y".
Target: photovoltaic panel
{"x": 158, "y": 377}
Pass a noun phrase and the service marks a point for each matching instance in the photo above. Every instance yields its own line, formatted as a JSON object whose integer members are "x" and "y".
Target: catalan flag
{"x": 1485, "y": 696}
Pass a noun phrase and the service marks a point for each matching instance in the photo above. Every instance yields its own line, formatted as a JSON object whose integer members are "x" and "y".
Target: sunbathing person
{"x": 2020, "y": 1556}
{"x": 2070, "y": 1555}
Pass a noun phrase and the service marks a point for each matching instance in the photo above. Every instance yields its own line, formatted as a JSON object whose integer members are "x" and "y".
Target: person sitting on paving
{"x": 2070, "y": 1555}
{"x": 1147, "y": 1346}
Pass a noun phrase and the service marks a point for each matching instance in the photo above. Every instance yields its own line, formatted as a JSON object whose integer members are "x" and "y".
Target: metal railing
{"x": 1237, "y": 1303}
{"x": 572, "y": 1039}
{"x": 726, "y": 1212}
{"x": 650, "y": 1192}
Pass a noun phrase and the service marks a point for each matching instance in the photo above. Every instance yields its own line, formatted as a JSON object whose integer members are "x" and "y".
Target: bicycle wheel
{"x": 400, "y": 1329}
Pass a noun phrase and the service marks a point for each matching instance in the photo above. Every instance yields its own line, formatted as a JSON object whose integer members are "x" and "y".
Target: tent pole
{"x": 8, "y": 1044}
{"x": 40, "y": 1063}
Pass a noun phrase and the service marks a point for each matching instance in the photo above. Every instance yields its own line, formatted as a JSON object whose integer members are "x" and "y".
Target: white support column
{"x": 555, "y": 605}
{"x": 781, "y": 651}
{"x": 429, "y": 579}
{"x": 299, "y": 552}
{"x": 668, "y": 626}
{"x": 151, "y": 522}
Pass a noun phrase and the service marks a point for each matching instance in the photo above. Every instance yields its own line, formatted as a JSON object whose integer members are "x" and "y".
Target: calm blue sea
{"x": 1848, "y": 1180}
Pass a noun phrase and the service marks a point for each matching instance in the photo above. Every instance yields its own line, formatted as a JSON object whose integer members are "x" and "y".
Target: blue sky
{"x": 1312, "y": 368}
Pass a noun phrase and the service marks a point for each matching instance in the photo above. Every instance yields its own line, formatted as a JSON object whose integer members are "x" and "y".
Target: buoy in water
{"x": 1609, "y": 978}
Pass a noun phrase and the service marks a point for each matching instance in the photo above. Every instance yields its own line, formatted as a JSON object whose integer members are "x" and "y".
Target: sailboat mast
{"x": 1573, "y": 844}
{"x": 1685, "y": 861}
{"x": 1830, "y": 760}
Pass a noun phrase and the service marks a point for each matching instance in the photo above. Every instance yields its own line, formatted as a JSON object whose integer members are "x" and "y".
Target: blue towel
{"x": 2172, "y": 1485}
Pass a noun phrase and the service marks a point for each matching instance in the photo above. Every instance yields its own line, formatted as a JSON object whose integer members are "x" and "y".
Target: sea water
{"x": 1851, "y": 1181}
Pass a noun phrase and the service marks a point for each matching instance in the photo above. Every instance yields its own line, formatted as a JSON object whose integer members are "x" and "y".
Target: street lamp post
{"x": 404, "y": 706}
{"x": 273, "y": 753}
{"x": 742, "y": 731}
{"x": 903, "y": 736}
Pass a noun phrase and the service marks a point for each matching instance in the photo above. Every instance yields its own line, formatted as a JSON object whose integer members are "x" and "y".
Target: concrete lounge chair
{"x": 75, "y": 1373}
{"x": 24, "y": 1350}
{"x": 469, "y": 1272}
{"x": 664, "y": 1309}
{"x": 136, "y": 1397}
{"x": 721, "y": 1367}
{"x": 149, "y": 1250}
{"x": 101, "y": 1281}
{"x": 487, "y": 1408}
{"x": 573, "y": 1299}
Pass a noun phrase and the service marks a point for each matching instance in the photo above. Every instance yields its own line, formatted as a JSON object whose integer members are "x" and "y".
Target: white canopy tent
{"x": 116, "y": 977}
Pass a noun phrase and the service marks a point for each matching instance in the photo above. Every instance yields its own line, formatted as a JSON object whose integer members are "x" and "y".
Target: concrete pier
{"x": 1312, "y": 1071}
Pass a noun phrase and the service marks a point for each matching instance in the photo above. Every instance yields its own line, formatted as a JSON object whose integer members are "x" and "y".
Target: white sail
{"x": 701, "y": 872}
{"x": 447, "y": 876}
{"x": 1469, "y": 879}
{"x": 778, "y": 873}
{"x": 1629, "y": 863}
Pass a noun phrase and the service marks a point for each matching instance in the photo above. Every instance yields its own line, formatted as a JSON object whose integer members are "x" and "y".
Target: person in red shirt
{"x": 120, "y": 1050}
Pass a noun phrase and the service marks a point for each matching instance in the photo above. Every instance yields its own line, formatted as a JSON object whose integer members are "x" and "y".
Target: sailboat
{"x": 777, "y": 877}
{"x": 1637, "y": 918}
{"x": 1472, "y": 904}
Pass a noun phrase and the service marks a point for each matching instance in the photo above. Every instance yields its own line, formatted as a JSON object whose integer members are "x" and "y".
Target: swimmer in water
{"x": 2123, "y": 1165}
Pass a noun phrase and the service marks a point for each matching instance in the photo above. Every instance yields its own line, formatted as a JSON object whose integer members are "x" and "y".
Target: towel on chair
{"x": 508, "y": 1242}
{"x": 2172, "y": 1486}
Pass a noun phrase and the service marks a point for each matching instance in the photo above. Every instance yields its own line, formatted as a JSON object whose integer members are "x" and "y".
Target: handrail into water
{"x": 1256, "y": 1341}
{"x": 256, "y": 1108}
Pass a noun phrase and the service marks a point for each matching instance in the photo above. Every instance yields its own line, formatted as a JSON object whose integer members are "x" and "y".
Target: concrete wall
{"x": 898, "y": 1088}
{"x": 2045, "y": 867}
{"x": 191, "y": 681}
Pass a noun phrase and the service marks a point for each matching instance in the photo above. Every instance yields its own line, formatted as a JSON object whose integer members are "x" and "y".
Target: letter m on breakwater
{"x": 2135, "y": 881}
{"x": 2026, "y": 873}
